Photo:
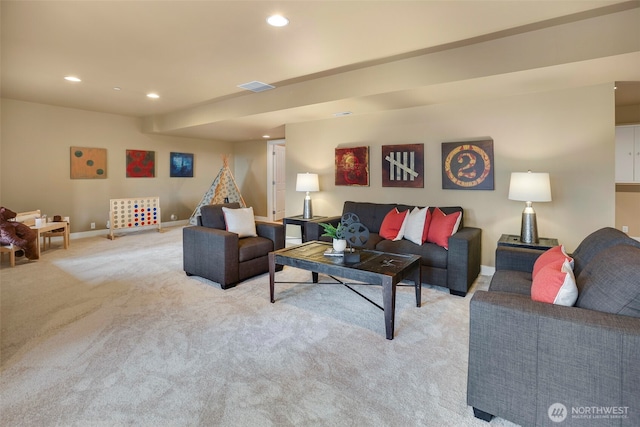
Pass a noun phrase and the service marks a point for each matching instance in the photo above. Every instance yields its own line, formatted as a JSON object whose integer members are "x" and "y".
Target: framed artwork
{"x": 88, "y": 163}
{"x": 352, "y": 166}
{"x": 141, "y": 164}
{"x": 467, "y": 165}
{"x": 403, "y": 165}
{"x": 181, "y": 165}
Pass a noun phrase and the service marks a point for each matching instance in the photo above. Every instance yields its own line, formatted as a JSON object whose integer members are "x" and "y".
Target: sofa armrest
{"x": 313, "y": 230}
{"x": 525, "y": 356}
{"x": 518, "y": 259}
{"x": 271, "y": 231}
{"x": 463, "y": 264}
{"x": 211, "y": 253}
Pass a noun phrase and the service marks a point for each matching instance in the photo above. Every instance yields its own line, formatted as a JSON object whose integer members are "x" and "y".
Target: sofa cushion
{"x": 253, "y": 247}
{"x": 511, "y": 281}
{"x": 415, "y": 225}
{"x": 611, "y": 282}
{"x": 431, "y": 254}
{"x": 372, "y": 214}
{"x": 550, "y": 256}
{"x": 393, "y": 224}
{"x": 555, "y": 284}
{"x": 240, "y": 221}
{"x": 213, "y": 217}
{"x": 596, "y": 242}
{"x": 442, "y": 227}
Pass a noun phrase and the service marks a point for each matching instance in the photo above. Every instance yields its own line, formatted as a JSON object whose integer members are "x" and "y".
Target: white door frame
{"x": 270, "y": 176}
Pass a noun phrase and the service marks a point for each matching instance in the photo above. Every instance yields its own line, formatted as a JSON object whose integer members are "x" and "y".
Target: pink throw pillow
{"x": 442, "y": 227}
{"x": 555, "y": 284}
{"x": 392, "y": 227}
{"x": 551, "y": 255}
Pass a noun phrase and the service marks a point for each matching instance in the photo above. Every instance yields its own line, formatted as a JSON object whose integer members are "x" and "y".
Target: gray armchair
{"x": 211, "y": 252}
{"x": 540, "y": 364}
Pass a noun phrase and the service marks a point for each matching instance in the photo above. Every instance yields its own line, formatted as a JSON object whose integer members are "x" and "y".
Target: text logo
{"x": 557, "y": 412}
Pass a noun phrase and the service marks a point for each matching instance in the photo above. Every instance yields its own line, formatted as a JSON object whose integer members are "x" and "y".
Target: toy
{"x": 17, "y": 233}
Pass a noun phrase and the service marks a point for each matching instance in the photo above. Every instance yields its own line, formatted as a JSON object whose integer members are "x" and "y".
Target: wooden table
{"x": 374, "y": 268}
{"x": 50, "y": 226}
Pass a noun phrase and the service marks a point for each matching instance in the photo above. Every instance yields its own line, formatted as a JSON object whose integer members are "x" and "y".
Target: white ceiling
{"x": 195, "y": 53}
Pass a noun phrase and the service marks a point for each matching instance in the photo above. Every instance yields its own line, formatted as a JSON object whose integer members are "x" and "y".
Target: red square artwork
{"x": 141, "y": 164}
{"x": 352, "y": 166}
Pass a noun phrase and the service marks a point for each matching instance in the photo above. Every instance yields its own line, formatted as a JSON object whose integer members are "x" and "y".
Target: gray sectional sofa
{"x": 536, "y": 364}
{"x": 455, "y": 268}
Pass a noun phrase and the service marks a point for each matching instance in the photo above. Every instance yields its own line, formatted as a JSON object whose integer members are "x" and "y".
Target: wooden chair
{"x": 11, "y": 249}
{"x": 53, "y": 233}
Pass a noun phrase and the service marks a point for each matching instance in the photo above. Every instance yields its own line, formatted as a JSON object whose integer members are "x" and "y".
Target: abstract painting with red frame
{"x": 141, "y": 164}
{"x": 352, "y": 166}
{"x": 467, "y": 165}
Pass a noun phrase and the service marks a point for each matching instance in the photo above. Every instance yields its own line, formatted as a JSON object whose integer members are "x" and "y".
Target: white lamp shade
{"x": 530, "y": 187}
{"x": 307, "y": 182}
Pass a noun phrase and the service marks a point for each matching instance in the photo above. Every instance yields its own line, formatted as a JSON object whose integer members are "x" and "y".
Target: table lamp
{"x": 529, "y": 187}
{"x": 307, "y": 182}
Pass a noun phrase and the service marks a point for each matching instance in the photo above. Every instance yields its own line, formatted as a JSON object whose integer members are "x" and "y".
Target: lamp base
{"x": 307, "y": 210}
{"x": 529, "y": 228}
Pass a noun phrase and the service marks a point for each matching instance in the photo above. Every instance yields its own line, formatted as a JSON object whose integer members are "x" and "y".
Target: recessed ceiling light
{"x": 72, "y": 79}
{"x": 116, "y": 88}
{"x": 277, "y": 20}
{"x": 153, "y": 95}
{"x": 265, "y": 136}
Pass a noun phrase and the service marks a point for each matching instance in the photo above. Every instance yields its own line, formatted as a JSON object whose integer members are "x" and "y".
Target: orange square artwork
{"x": 88, "y": 163}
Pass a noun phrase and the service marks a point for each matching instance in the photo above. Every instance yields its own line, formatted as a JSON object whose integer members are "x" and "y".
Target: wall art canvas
{"x": 468, "y": 165}
{"x": 181, "y": 165}
{"x": 141, "y": 164}
{"x": 88, "y": 163}
{"x": 352, "y": 166}
{"x": 403, "y": 165}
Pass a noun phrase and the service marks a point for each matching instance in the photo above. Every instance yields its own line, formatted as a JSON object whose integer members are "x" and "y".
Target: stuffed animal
{"x": 18, "y": 234}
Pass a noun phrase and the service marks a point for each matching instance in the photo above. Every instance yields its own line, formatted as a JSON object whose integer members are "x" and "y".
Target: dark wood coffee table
{"x": 374, "y": 268}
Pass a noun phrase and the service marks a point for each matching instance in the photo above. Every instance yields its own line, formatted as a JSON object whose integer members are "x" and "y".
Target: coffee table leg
{"x": 272, "y": 274}
{"x": 389, "y": 303}
{"x": 417, "y": 279}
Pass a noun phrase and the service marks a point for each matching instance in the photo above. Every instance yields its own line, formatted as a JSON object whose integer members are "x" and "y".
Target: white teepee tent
{"x": 223, "y": 190}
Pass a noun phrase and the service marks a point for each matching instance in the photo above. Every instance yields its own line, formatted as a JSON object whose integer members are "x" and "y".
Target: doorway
{"x": 276, "y": 179}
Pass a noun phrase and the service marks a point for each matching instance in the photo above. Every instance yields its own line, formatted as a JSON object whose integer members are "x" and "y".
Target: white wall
{"x": 568, "y": 133}
{"x": 35, "y": 150}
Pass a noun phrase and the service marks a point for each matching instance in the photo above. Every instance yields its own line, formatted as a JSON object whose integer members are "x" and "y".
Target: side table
{"x": 513, "y": 240}
{"x": 300, "y": 221}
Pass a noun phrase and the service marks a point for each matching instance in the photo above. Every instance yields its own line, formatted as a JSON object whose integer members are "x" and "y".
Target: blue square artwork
{"x": 181, "y": 165}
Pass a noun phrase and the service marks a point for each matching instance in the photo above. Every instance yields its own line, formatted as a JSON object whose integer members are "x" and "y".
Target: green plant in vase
{"x": 337, "y": 234}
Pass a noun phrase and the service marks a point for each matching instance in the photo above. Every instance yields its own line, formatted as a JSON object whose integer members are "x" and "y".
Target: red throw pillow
{"x": 442, "y": 227}
{"x": 555, "y": 284}
{"x": 392, "y": 225}
{"x": 427, "y": 224}
{"x": 554, "y": 254}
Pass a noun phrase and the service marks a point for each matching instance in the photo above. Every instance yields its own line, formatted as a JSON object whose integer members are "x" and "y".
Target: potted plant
{"x": 336, "y": 233}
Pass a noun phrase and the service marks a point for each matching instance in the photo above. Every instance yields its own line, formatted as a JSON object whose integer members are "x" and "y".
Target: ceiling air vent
{"x": 256, "y": 86}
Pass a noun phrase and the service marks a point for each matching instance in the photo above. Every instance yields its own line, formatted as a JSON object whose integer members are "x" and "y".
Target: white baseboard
{"x": 106, "y": 231}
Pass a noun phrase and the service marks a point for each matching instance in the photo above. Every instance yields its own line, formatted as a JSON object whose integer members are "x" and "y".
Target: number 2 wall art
{"x": 467, "y": 165}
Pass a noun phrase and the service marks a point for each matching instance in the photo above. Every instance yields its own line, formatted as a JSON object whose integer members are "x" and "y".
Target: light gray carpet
{"x": 111, "y": 333}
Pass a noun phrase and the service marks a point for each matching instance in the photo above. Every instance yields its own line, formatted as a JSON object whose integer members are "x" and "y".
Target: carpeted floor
{"x": 113, "y": 333}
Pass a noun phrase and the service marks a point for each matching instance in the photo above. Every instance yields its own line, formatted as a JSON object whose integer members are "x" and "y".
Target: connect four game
{"x": 134, "y": 213}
